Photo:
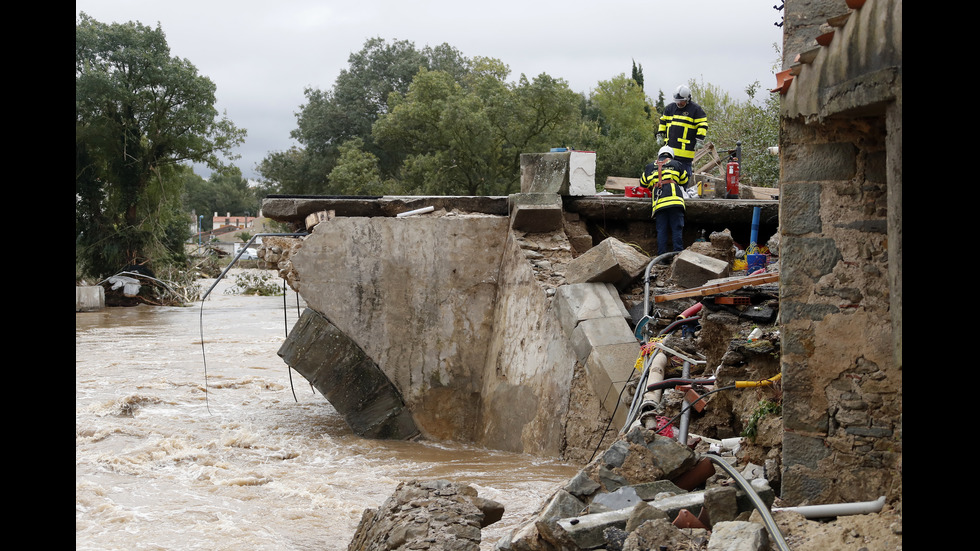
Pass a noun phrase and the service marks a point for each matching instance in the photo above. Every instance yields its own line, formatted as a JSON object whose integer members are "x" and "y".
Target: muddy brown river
{"x": 184, "y": 442}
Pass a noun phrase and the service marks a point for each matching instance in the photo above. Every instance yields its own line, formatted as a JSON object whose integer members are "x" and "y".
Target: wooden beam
{"x": 718, "y": 288}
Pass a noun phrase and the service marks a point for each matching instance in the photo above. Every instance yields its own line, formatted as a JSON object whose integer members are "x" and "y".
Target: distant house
{"x": 240, "y": 222}
{"x": 226, "y": 229}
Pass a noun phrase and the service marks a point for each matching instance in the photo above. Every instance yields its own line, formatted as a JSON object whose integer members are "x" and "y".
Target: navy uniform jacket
{"x": 666, "y": 186}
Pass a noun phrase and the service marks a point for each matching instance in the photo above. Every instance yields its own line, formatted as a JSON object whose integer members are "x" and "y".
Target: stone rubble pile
{"x": 645, "y": 492}
{"x": 427, "y": 515}
{"x": 640, "y": 495}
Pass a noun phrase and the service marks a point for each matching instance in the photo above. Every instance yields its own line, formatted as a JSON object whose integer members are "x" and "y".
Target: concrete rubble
{"x": 627, "y": 499}
{"x": 435, "y": 514}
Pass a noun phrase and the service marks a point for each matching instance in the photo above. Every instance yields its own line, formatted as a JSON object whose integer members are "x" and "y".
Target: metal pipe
{"x": 646, "y": 280}
{"x": 634, "y": 410}
{"x": 754, "y": 232}
{"x": 837, "y": 509}
{"x": 760, "y": 505}
{"x": 686, "y": 415}
{"x": 242, "y": 250}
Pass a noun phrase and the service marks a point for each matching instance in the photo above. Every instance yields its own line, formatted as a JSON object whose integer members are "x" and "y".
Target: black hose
{"x": 671, "y": 383}
{"x": 674, "y": 325}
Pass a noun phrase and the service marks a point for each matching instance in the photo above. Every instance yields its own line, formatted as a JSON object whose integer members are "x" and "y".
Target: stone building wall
{"x": 840, "y": 285}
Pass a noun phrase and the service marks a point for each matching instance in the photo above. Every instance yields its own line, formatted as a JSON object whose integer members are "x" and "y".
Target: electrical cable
{"x": 615, "y": 409}
{"x": 204, "y": 357}
{"x": 285, "y": 325}
{"x": 215, "y": 284}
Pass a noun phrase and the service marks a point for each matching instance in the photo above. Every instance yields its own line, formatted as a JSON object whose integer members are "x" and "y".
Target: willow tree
{"x": 140, "y": 116}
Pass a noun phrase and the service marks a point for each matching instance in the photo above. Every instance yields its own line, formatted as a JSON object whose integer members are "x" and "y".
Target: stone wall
{"x": 840, "y": 286}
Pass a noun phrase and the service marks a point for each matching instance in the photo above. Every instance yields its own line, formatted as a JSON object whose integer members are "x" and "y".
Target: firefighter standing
{"x": 683, "y": 126}
{"x": 665, "y": 178}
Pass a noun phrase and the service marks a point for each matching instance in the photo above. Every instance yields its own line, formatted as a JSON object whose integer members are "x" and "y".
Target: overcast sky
{"x": 261, "y": 55}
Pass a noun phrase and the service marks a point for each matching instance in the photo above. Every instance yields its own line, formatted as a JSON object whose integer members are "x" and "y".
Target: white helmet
{"x": 666, "y": 150}
{"x": 682, "y": 93}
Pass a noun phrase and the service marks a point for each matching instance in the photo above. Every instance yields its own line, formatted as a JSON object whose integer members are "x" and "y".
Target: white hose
{"x": 837, "y": 509}
{"x": 422, "y": 210}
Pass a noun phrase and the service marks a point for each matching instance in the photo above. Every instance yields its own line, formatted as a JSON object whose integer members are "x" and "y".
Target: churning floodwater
{"x": 180, "y": 445}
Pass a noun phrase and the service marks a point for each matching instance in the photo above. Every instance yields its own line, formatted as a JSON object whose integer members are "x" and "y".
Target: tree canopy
{"x": 140, "y": 116}
{"x": 403, "y": 120}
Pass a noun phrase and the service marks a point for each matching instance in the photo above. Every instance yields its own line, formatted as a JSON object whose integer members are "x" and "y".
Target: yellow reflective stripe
{"x": 689, "y": 120}
{"x": 671, "y": 201}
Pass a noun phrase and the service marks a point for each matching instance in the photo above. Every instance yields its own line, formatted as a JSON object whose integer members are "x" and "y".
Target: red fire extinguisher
{"x": 731, "y": 179}
{"x": 732, "y": 172}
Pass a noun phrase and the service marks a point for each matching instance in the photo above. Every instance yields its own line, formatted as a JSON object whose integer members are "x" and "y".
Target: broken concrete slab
{"x": 611, "y": 261}
{"x": 608, "y": 368}
{"x": 536, "y": 212}
{"x": 586, "y": 531}
{"x": 561, "y": 505}
{"x": 356, "y": 387}
{"x": 545, "y": 172}
{"x": 581, "y": 301}
{"x": 591, "y": 333}
{"x": 691, "y": 269}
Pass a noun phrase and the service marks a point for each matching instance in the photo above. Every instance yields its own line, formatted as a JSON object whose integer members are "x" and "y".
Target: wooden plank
{"x": 709, "y": 148}
{"x": 765, "y": 193}
{"x": 718, "y": 288}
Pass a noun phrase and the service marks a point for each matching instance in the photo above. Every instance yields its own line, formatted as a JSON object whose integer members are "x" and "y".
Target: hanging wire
{"x": 286, "y": 327}
{"x": 215, "y": 284}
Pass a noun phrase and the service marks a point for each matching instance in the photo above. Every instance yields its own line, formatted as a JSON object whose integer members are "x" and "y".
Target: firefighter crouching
{"x": 665, "y": 178}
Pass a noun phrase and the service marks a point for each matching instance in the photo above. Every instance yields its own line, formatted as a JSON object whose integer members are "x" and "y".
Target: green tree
{"x": 140, "y": 115}
{"x": 638, "y": 74}
{"x": 357, "y": 171}
{"x": 295, "y": 171}
{"x": 466, "y": 138}
{"x": 624, "y": 132}
{"x": 347, "y": 111}
{"x": 760, "y": 131}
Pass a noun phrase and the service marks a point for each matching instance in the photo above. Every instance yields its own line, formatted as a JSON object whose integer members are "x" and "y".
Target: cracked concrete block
{"x": 611, "y": 261}
{"x": 599, "y": 332}
{"x": 545, "y": 172}
{"x": 582, "y": 301}
{"x": 536, "y": 212}
{"x": 691, "y": 269}
{"x": 350, "y": 380}
{"x": 608, "y": 368}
